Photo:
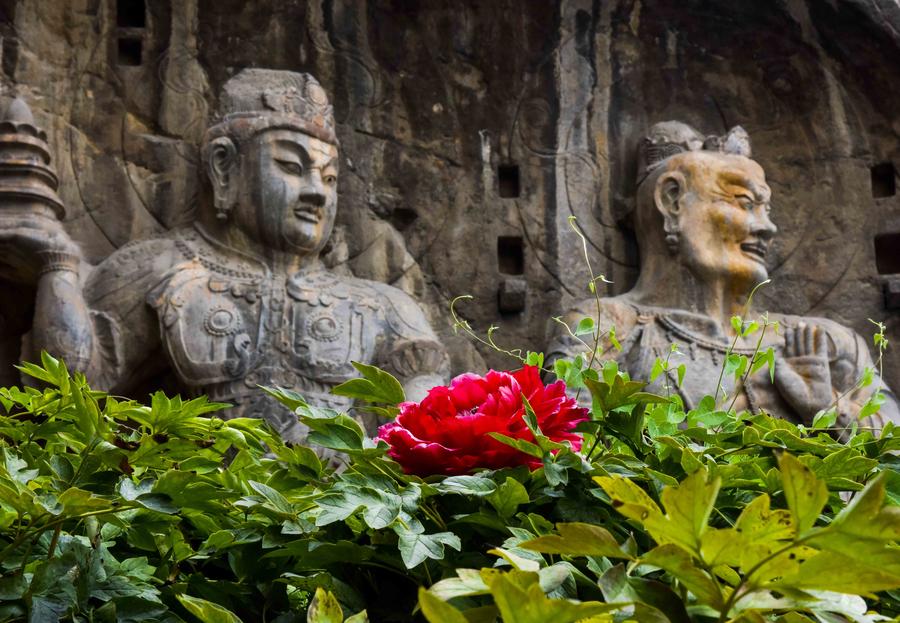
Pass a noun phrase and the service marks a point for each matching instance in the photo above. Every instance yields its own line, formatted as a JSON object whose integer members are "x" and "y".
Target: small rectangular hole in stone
{"x": 131, "y": 14}
{"x": 887, "y": 253}
{"x": 884, "y": 180}
{"x": 508, "y": 180}
{"x": 511, "y": 255}
{"x": 130, "y": 51}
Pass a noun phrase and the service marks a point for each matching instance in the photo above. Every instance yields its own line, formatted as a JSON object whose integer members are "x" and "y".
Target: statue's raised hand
{"x": 802, "y": 371}
{"x": 30, "y": 243}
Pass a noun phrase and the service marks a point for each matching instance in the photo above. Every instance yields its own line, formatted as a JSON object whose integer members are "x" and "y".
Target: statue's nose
{"x": 313, "y": 193}
{"x": 763, "y": 227}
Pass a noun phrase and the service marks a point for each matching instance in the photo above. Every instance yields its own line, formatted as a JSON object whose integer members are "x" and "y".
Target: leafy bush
{"x": 115, "y": 511}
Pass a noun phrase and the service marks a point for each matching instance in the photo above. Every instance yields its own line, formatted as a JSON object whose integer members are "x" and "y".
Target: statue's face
{"x": 289, "y": 197}
{"x": 724, "y": 225}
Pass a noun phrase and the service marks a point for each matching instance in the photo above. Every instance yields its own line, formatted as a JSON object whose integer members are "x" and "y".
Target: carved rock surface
{"x": 472, "y": 131}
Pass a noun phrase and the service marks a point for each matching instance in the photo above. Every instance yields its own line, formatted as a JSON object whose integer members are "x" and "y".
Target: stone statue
{"x": 240, "y": 298}
{"x": 703, "y": 229}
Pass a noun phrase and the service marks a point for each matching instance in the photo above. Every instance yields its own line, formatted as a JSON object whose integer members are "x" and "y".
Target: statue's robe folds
{"x": 225, "y": 324}
{"x": 647, "y": 333}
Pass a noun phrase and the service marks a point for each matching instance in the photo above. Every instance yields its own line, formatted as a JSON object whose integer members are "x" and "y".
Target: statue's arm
{"x": 411, "y": 350}
{"x": 100, "y": 325}
{"x": 62, "y": 323}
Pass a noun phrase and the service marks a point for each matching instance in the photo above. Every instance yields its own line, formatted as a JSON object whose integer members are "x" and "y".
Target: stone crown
{"x": 254, "y": 100}
{"x": 669, "y": 138}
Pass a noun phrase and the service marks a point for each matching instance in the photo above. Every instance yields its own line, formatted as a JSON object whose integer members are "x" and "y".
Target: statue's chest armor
{"x": 266, "y": 331}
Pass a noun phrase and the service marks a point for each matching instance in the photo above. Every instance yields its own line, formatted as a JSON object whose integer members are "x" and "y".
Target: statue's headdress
{"x": 254, "y": 100}
{"x": 669, "y": 138}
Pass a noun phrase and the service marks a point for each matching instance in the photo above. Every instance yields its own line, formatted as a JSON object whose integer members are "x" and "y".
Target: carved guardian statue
{"x": 703, "y": 228}
{"x": 240, "y": 298}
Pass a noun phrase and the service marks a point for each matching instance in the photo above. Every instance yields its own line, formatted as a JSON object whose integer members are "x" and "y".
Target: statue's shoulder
{"x": 134, "y": 267}
{"x": 401, "y": 311}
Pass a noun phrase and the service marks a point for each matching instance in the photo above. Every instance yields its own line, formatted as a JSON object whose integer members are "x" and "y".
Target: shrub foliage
{"x": 115, "y": 511}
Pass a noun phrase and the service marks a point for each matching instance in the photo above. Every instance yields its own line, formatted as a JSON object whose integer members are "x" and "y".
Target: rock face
{"x": 470, "y": 133}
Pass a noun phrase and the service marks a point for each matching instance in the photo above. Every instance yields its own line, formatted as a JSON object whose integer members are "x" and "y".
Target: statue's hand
{"x": 802, "y": 372}
{"x": 29, "y": 243}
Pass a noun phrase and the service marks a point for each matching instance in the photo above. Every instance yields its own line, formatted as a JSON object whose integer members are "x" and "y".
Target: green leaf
{"x": 585, "y": 326}
{"x": 520, "y": 599}
{"x": 519, "y": 444}
{"x": 466, "y": 485}
{"x": 416, "y": 548}
{"x": 207, "y": 611}
{"x": 438, "y": 611}
{"x": 359, "y": 617}
{"x": 681, "y": 370}
{"x": 680, "y": 564}
{"x": 825, "y": 418}
{"x": 277, "y": 502}
{"x": 468, "y": 583}
{"x": 689, "y": 505}
{"x": 767, "y": 357}
{"x": 508, "y": 497}
{"x": 578, "y": 539}
{"x": 806, "y": 495}
{"x": 324, "y": 608}
{"x": 375, "y": 386}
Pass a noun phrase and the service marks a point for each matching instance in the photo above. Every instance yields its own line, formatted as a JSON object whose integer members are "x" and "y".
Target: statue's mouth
{"x": 756, "y": 250}
{"x": 310, "y": 214}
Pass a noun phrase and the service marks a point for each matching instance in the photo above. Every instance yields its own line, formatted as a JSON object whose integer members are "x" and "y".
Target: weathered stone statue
{"x": 703, "y": 229}
{"x": 239, "y": 299}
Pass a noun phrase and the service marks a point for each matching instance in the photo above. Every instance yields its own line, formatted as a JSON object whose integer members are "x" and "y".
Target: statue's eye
{"x": 290, "y": 166}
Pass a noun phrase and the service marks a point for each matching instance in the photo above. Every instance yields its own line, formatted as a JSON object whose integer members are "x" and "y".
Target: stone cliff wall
{"x": 471, "y": 131}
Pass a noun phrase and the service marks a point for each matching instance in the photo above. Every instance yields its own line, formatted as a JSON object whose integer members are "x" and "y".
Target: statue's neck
{"x": 669, "y": 284}
{"x": 276, "y": 261}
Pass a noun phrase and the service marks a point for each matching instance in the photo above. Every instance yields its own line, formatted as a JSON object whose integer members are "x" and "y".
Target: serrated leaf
{"x": 276, "y": 501}
{"x": 578, "y": 539}
{"x": 324, "y": 608}
{"x": 520, "y": 599}
{"x": 438, "y": 611}
{"x": 679, "y": 563}
{"x": 507, "y": 498}
{"x": 466, "y": 485}
{"x": 806, "y": 495}
{"x": 376, "y": 386}
{"x": 207, "y": 611}
{"x": 416, "y": 548}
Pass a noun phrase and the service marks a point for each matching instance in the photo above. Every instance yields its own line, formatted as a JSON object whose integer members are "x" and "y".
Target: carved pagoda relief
{"x": 236, "y": 300}
{"x": 703, "y": 225}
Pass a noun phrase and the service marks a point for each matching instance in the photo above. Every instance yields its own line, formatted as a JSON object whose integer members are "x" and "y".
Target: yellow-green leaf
{"x": 207, "y": 611}
{"x": 437, "y": 610}
{"x": 679, "y": 563}
{"x": 578, "y": 539}
{"x": 806, "y": 495}
{"x": 324, "y": 608}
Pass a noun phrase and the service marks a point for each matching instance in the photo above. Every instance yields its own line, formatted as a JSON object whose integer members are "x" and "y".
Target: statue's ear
{"x": 670, "y": 189}
{"x": 222, "y": 164}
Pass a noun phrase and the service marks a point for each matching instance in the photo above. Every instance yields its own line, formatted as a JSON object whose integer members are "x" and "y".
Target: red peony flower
{"x": 447, "y": 433}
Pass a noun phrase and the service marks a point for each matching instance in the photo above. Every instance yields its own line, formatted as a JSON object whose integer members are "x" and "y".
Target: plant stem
{"x": 740, "y": 385}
